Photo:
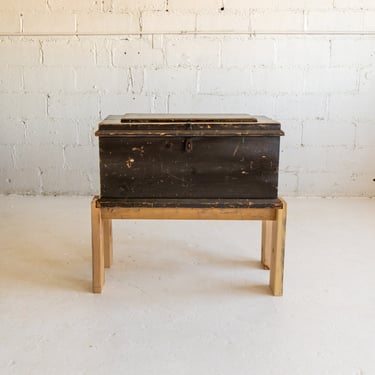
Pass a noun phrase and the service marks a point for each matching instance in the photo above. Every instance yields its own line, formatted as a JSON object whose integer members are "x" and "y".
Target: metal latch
{"x": 188, "y": 145}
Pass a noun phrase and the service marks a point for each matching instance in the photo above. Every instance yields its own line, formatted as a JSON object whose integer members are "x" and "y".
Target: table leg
{"x": 278, "y": 249}
{"x": 107, "y": 242}
{"x": 267, "y": 239}
{"x": 97, "y": 248}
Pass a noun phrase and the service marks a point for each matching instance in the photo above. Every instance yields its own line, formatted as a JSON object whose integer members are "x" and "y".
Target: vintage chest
{"x": 188, "y": 157}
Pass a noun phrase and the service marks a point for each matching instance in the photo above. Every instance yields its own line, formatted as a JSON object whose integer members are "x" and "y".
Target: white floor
{"x": 186, "y": 297}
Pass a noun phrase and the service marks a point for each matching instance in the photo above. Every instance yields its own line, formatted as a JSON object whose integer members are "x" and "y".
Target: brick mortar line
{"x": 249, "y": 33}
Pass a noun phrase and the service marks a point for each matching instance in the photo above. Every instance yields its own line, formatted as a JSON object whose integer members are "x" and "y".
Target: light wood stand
{"x": 273, "y": 217}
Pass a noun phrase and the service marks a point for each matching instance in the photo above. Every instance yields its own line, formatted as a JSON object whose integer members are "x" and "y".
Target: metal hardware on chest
{"x": 188, "y": 145}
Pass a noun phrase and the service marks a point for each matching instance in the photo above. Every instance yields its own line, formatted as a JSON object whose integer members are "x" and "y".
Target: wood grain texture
{"x": 193, "y": 203}
{"x": 188, "y": 213}
{"x": 97, "y": 248}
{"x": 278, "y": 250}
{"x": 267, "y": 243}
{"x": 186, "y": 167}
{"x": 273, "y": 232}
{"x": 107, "y": 242}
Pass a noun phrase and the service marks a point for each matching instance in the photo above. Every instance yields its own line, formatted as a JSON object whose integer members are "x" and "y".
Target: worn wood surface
{"x": 199, "y": 167}
{"x": 97, "y": 248}
{"x": 168, "y": 132}
{"x": 188, "y": 213}
{"x": 107, "y": 242}
{"x": 194, "y": 203}
{"x": 273, "y": 232}
{"x": 167, "y": 125}
{"x": 214, "y": 167}
{"x": 188, "y": 125}
{"x": 267, "y": 243}
{"x": 189, "y": 156}
{"x": 181, "y": 117}
{"x": 278, "y": 250}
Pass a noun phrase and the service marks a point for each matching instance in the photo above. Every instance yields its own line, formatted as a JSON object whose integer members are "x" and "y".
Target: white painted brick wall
{"x": 108, "y": 22}
{"x": 369, "y": 20}
{"x": 16, "y": 53}
{"x": 277, "y": 20}
{"x": 50, "y": 131}
{"x": 23, "y": 5}
{"x": 68, "y": 52}
{"x": 10, "y": 22}
{"x": 300, "y": 106}
{"x": 55, "y": 181}
{"x": 83, "y": 130}
{"x": 22, "y": 105}
{"x": 194, "y": 5}
{"x": 103, "y": 52}
{"x": 70, "y": 6}
{"x": 365, "y": 134}
{"x": 244, "y": 52}
{"x": 279, "y": 4}
{"x": 72, "y": 106}
{"x": 331, "y": 80}
{"x": 6, "y": 156}
{"x": 82, "y": 158}
{"x": 130, "y": 52}
{"x": 55, "y": 88}
{"x": 11, "y": 80}
{"x": 354, "y": 4}
{"x": 277, "y": 80}
{"x": 352, "y": 107}
{"x": 161, "y": 21}
{"x": 222, "y": 22}
{"x": 170, "y": 80}
{"x": 103, "y": 79}
{"x": 187, "y": 51}
{"x": 222, "y": 104}
{"x": 353, "y": 52}
{"x": 27, "y": 156}
{"x": 48, "y": 79}
{"x": 139, "y": 5}
{"x": 135, "y": 80}
{"x": 160, "y": 103}
{"x": 312, "y": 51}
{"x": 122, "y": 103}
{"x": 25, "y": 181}
{"x": 294, "y": 130}
{"x": 328, "y": 133}
{"x": 337, "y": 20}
{"x": 48, "y": 23}
{"x": 15, "y": 132}
{"x": 305, "y": 4}
{"x": 225, "y": 81}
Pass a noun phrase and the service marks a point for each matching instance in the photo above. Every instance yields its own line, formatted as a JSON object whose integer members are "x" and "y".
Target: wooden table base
{"x": 273, "y": 232}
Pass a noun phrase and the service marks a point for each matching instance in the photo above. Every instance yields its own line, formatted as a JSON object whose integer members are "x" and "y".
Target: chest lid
{"x": 188, "y": 125}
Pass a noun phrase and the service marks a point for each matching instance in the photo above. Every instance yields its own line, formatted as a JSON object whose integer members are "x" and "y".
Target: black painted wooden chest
{"x": 150, "y": 158}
